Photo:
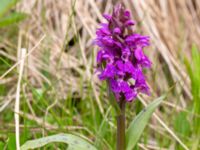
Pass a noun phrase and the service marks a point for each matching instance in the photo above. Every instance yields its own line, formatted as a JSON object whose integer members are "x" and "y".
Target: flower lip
{"x": 138, "y": 53}
{"x": 117, "y": 30}
{"x": 129, "y": 23}
{"x": 127, "y": 14}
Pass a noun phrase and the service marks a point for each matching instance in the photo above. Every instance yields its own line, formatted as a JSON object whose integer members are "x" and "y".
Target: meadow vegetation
{"x": 59, "y": 90}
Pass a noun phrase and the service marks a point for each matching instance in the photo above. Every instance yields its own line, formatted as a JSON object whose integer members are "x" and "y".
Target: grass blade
{"x": 12, "y": 18}
{"x": 194, "y": 73}
{"x": 6, "y": 5}
{"x": 138, "y": 124}
{"x": 74, "y": 142}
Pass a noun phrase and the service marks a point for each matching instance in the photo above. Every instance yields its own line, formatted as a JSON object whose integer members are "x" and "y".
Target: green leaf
{"x": 138, "y": 124}
{"x": 11, "y": 142}
{"x": 194, "y": 73}
{"x": 74, "y": 142}
{"x": 6, "y": 5}
{"x": 12, "y": 18}
{"x": 2, "y": 145}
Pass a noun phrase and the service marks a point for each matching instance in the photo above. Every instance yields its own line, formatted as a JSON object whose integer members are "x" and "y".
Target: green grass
{"x": 80, "y": 110}
{"x": 194, "y": 72}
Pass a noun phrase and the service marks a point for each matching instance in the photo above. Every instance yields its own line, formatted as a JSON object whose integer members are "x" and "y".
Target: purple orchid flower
{"x": 121, "y": 58}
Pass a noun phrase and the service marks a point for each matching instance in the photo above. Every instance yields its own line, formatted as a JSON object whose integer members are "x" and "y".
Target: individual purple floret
{"x": 121, "y": 59}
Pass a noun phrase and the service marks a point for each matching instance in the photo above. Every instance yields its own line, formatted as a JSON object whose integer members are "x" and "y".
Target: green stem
{"x": 121, "y": 126}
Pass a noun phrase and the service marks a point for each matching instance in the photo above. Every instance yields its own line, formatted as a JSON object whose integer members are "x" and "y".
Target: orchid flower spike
{"x": 120, "y": 58}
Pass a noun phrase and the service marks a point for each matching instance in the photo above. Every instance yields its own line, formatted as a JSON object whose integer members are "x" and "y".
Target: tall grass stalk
{"x": 194, "y": 73}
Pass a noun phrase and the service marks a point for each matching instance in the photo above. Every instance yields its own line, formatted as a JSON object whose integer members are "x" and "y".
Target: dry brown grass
{"x": 173, "y": 26}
